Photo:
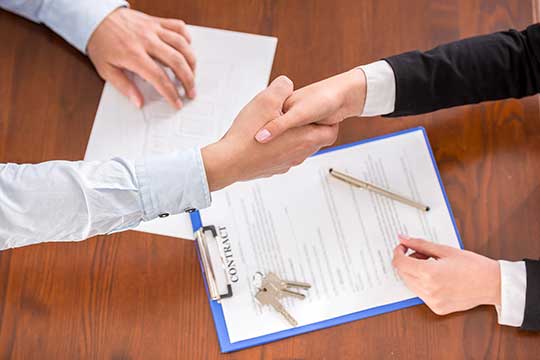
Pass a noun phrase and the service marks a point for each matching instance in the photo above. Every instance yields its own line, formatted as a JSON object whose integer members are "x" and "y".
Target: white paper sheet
{"x": 308, "y": 226}
{"x": 232, "y": 67}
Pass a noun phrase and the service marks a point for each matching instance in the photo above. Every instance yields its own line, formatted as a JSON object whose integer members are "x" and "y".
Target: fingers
{"x": 330, "y": 134}
{"x": 177, "y": 26}
{"x": 301, "y": 143}
{"x": 149, "y": 70}
{"x": 406, "y": 264}
{"x": 419, "y": 256}
{"x": 180, "y": 43}
{"x": 177, "y": 62}
{"x": 314, "y": 136}
{"x": 425, "y": 247}
{"x": 120, "y": 81}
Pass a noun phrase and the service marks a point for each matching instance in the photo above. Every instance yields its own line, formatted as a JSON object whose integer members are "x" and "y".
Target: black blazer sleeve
{"x": 531, "y": 320}
{"x": 490, "y": 67}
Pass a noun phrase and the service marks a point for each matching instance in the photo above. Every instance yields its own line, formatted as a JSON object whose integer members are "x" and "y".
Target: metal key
{"x": 284, "y": 285}
{"x": 269, "y": 296}
{"x": 272, "y": 288}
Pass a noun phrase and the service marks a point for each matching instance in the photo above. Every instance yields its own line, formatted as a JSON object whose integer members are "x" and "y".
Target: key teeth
{"x": 300, "y": 285}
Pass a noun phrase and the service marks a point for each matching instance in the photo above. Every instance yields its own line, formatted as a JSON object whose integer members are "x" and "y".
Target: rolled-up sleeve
{"x": 75, "y": 20}
{"x": 71, "y": 201}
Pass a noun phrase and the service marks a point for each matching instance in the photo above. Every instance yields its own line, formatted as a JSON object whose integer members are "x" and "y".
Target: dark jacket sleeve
{"x": 531, "y": 319}
{"x": 490, "y": 67}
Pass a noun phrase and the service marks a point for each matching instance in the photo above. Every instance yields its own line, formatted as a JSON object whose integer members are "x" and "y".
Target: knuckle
{"x": 190, "y": 57}
{"x": 330, "y": 135}
{"x": 285, "y": 83}
{"x": 148, "y": 39}
{"x": 133, "y": 50}
{"x": 436, "y": 310}
{"x": 277, "y": 126}
{"x": 104, "y": 72}
{"x": 177, "y": 62}
{"x": 162, "y": 77}
{"x": 171, "y": 89}
{"x": 181, "y": 42}
{"x": 267, "y": 101}
{"x": 188, "y": 80}
{"x": 439, "y": 308}
{"x": 335, "y": 130}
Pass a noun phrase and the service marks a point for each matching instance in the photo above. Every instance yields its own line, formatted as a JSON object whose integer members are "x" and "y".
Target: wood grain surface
{"x": 141, "y": 296}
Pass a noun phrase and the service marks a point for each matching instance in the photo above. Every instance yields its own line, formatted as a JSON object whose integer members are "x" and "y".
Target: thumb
{"x": 122, "y": 83}
{"x": 281, "y": 88}
{"x": 279, "y": 125}
{"x": 425, "y": 247}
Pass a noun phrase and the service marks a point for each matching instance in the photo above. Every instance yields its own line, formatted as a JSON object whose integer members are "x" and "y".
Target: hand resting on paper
{"x": 445, "y": 278}
{"x": 239, "y": 157}
{"x": 325, "y": 102}
{"x": 131, "y": 40}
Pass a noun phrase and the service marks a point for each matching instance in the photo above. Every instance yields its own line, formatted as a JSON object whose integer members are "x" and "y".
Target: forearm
{"x": 75, "y": 21}
{"x": 67, "y": 201}
{"x": 490, "y": 67}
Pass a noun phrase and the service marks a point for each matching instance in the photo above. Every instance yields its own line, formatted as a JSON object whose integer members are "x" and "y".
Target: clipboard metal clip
{"x": 202, "y": 240}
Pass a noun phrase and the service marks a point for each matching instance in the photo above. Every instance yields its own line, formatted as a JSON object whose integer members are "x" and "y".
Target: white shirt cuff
{"x": 380, "y": 89}
{"x": 172, "y": 183}
{"x": 513, "y": 293}
{"x": 75, "y": 21}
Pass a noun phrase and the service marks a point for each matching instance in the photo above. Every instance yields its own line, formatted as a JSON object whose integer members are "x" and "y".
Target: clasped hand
{"x": 239, "y": 157}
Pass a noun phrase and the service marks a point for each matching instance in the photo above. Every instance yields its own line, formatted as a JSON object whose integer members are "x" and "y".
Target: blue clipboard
{"x": 217, "y": 311}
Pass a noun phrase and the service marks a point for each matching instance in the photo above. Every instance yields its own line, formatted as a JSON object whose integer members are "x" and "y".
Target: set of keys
{"x": 271, "y": 289}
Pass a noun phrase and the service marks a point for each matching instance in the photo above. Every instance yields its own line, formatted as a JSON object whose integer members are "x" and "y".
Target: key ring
{"x": 257, "y": 279}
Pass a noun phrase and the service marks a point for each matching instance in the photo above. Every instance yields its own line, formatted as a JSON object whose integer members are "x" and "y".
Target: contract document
{"x": 232, "y": 68}
{"x": 308, "y": 226}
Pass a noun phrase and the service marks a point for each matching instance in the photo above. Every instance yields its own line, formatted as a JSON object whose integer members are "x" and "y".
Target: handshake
{"x": 281, "y": 127}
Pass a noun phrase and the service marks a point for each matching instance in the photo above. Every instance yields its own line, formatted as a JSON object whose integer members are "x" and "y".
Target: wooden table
{"x": 140, "y": 296}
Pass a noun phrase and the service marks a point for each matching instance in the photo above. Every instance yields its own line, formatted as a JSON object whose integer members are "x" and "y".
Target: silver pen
{"x": 367, "y": 186}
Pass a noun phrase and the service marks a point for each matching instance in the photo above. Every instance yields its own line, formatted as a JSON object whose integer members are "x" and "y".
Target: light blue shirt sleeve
{"x": 74, "y": 20}
{"x": 71, "y": 201}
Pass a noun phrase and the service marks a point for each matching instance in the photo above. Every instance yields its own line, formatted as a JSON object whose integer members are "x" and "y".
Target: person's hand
{"x": 131, "y": 40}
{"x": 326, "y": 102}
{"x": 445, "y": 278}
{"x": 238, "y": 157}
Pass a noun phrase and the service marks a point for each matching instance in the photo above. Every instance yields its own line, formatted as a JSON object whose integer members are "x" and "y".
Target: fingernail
{"x": 404, "y": 237}
{"x": 192, "y": 93}
{"x": 262, "y": 135}
{"x": 135, "y": 100}
{"x": 179, "y": 104}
